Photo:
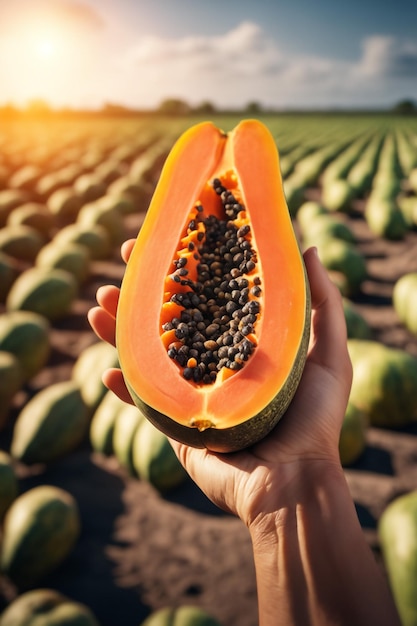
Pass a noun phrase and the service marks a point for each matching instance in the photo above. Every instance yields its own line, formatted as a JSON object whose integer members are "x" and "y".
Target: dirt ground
{"x": 138, "y": 550}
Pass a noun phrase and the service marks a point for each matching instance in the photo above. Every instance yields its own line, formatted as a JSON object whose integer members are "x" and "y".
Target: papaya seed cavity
{"x": 212, "y": 298}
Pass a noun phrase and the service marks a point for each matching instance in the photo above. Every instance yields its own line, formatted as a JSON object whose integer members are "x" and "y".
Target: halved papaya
{"x": 213, "y": 319}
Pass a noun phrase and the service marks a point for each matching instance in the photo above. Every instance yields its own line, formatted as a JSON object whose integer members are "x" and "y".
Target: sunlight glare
{"x": 48, "y": 55}
{"x": 45, "y": 48}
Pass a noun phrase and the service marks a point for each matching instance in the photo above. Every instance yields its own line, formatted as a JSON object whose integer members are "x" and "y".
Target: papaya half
{"x": 213, "y": 320}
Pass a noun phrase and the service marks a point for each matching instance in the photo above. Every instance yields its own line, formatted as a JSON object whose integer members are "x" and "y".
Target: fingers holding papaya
{"x": 102, "y": 318}
{"x": 103, "y": 324}
{"x": 113, "y": 380}
{"x": 126, "y": 249}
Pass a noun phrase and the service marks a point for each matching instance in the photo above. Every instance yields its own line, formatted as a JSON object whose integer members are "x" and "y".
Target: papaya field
{"x": 94, "y": 505}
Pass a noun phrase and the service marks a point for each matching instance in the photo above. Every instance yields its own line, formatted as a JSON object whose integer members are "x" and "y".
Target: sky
{"x": 137, "y": 53}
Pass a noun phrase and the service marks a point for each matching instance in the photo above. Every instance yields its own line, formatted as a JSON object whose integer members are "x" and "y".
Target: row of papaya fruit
{"x": 40, "y": 529}
{"x": 56, "y": 609}
{"x": 380, "y": 167}
{"x": 61, "y": 417}
{"x": 60, "y": 215}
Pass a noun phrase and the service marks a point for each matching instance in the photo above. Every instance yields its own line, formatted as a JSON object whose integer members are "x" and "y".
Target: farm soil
{"x": 140, "y": 550}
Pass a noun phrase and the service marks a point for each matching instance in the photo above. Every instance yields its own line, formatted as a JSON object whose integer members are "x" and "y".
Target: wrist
{"x": 312, "y": 562}
{"x": 301, "y": 484}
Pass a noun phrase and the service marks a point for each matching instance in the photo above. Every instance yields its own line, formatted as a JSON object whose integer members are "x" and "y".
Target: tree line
{"x": 178, "y": 107}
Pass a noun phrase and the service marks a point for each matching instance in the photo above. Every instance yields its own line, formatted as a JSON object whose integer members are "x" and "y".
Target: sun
{"x": 47, "y": 46}
{"x": 45, "y": 49}
{"x": 48, "y": 55}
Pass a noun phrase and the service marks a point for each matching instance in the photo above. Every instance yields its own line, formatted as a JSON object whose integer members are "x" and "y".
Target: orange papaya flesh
{"x": 223, "y": 405}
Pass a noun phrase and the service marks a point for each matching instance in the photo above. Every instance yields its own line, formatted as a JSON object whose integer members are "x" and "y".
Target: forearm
{"x": 313, "y": 564}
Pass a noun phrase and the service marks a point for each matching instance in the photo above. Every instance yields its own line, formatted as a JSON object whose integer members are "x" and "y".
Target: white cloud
{"x": 385, "y": 56}
{"x": 242, "y": 50}
{"x": 244, "y": 64}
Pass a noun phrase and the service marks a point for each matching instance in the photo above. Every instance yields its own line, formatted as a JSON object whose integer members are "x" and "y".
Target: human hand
{"x": 257, "y": 480}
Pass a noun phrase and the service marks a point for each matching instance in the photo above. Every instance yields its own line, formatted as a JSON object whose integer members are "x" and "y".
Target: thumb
{"x": 329, "y": 334}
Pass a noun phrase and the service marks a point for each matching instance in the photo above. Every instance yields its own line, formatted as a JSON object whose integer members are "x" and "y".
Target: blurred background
{"x": 89, "y": 54}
